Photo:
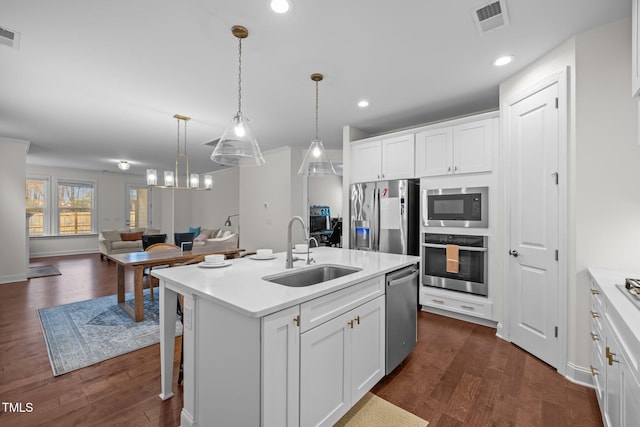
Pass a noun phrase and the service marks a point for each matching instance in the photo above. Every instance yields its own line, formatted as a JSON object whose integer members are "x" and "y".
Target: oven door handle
{"x": 462, "y": 248}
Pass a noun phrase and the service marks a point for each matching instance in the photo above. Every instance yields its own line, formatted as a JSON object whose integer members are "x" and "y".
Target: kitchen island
{"x": 258, "y": 353}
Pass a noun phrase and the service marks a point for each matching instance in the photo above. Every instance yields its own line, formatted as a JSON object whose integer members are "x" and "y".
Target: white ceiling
{"x": 94, "y": 82}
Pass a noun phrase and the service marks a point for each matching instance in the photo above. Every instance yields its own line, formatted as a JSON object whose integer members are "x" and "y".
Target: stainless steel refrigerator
{"x": 384, "y": 216}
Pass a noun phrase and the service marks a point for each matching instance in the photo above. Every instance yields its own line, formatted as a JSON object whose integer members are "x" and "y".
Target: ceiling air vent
{"x": 9, "y": 38}
{"x": 490, "y": 16}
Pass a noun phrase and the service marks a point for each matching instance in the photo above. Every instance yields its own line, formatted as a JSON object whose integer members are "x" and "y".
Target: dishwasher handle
{"x": 402, "y": 276}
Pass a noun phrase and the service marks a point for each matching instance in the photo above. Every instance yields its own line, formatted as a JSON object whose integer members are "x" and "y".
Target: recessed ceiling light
{"x": 363, "y": 104}
{"x": 503, "y": 60}
{"x": 280, "y": 6}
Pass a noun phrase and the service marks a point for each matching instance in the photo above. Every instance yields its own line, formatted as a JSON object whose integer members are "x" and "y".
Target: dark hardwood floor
{"x": 460, "y": 373}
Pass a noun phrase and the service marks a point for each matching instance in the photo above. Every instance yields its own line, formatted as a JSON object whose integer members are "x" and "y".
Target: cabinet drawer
{"x": 596, "y": 298}
{"x": 320, "y": 310}
{"x": 598, "y": 370}
{"x": 471, "y": 308}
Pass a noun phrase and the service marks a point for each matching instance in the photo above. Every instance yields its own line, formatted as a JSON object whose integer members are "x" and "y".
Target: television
{"x": 319, "y": 223}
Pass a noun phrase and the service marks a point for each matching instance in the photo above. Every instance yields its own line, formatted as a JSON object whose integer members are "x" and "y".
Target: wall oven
{"x": 456, "y": 207}
{"x": 470, "y": 273}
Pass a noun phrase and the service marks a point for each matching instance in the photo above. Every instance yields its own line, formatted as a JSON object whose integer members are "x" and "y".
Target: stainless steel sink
{"x": 311, "y": 275}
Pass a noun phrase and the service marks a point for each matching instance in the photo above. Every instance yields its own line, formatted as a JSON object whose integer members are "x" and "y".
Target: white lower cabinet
{"x": 281, "y": 368}
{"x": 470, "y": 305}
{"x": 341, "y": 360}
{"x": 613, "y": 365}
{"x": 320, "y": 358}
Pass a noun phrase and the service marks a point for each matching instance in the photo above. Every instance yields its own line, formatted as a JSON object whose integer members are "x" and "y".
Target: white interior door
{"x": 533, "y": 138}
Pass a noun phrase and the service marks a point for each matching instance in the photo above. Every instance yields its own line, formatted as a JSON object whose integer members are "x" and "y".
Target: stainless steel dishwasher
{"x": 402, "y": 309}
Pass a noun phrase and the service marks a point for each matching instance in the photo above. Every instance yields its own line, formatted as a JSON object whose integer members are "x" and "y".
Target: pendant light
{"x": 316, "y": 162}
{"x": 238, "y": 146}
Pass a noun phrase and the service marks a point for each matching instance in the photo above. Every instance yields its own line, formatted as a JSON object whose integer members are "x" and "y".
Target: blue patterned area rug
{"x": 83, "y": 333}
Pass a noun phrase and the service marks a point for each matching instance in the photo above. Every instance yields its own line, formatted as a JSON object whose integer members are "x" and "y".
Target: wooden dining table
{"x": 139, "y": 261}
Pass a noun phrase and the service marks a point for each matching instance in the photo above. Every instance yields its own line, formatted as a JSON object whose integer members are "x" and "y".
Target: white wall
{"x": 13, "y": 251}
{"x": 326, "y": 191}
{"x": 604, "y": 229}
{"x": 269, "y": 196}
{"x": 210, "y": 209}
{"x": 607, "y": 197}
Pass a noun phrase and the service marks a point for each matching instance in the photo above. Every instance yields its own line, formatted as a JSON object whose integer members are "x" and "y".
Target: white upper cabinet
{"x": 397, "y": 157}
{"x": 434, "y": 152}
{"x": 365, "y": 162}
{"x": 635, "y": 68}
{"x": 385, "y": 159}
{"x": 463, "y": 148}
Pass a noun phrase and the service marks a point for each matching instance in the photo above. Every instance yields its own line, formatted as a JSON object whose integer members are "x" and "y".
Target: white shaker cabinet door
{"x": 325, "y": 353}
{"x": 281, "y": 369}
{"x": 472, "y": 146}
{"x": 630, "y": 398}
{"x": 398, "y": 158}
{"x": 368, "y": 347}
{"x": 365, "y": 162}
{"x": 434, "y": 152}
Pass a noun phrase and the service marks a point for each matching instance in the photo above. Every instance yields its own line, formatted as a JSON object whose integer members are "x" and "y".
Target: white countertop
{"x": 240, "y": 287}
{"x": 607, "y": 279}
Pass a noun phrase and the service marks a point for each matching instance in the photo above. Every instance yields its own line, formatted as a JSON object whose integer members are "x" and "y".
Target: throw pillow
{"x": 202, "y": 237}
{"x": 195, "y": 230}
{"x": 130, "y": 237}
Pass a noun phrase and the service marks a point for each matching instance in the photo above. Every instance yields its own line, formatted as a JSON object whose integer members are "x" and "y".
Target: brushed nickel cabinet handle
{"x": 594, "y": 371}
{"x": 594, "y": 314}
{"x": 467, "y": 307}
{"x": 438, "y": 301}
{"x": 595, "y": 292}
{"x": 594, "y": 337}
{"x": 296, "y": 320}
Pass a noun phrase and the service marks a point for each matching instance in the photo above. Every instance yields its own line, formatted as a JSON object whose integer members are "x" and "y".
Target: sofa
{"x": 122, "y": 241}
{"x": 216, "y": 238}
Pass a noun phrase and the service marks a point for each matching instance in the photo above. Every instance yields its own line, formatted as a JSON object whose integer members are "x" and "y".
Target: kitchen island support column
{"x": 168, "y": 304}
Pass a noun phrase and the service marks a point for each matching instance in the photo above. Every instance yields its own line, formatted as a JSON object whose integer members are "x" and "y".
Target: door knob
{"x": 514, "y": 254}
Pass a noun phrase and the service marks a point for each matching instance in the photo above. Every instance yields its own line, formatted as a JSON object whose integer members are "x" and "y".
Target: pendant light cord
{"x": 239, "y": 75}
{"x": 316, "y": 110}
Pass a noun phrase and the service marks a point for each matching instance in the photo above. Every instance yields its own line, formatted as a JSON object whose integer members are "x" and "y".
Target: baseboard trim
{"x": 460, "y": 316}
{"x": 579, "y": 375}
{"x": 63, "y": 253}
{"x": 13, "y": 278}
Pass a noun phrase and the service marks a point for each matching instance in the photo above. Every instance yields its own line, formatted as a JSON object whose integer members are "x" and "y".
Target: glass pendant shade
{"x": 152, "y": 177}
{"x": 208, "y": 181}
{"x": 169, "y": 180}
{"x": 238, "y": 146}
{"x": 316, "y": 162}
{"x": 194, "y": 180}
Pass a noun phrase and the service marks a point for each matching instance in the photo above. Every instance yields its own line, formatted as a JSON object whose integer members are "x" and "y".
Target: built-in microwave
{"x": 456, "y": 207}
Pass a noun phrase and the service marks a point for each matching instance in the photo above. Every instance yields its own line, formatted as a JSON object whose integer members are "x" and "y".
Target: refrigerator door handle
{"x": 375, "y": 238}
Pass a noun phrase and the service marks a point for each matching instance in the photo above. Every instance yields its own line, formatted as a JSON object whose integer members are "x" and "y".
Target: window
{"x": 75, "y": 207}
{"x": 37, "y": 201}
